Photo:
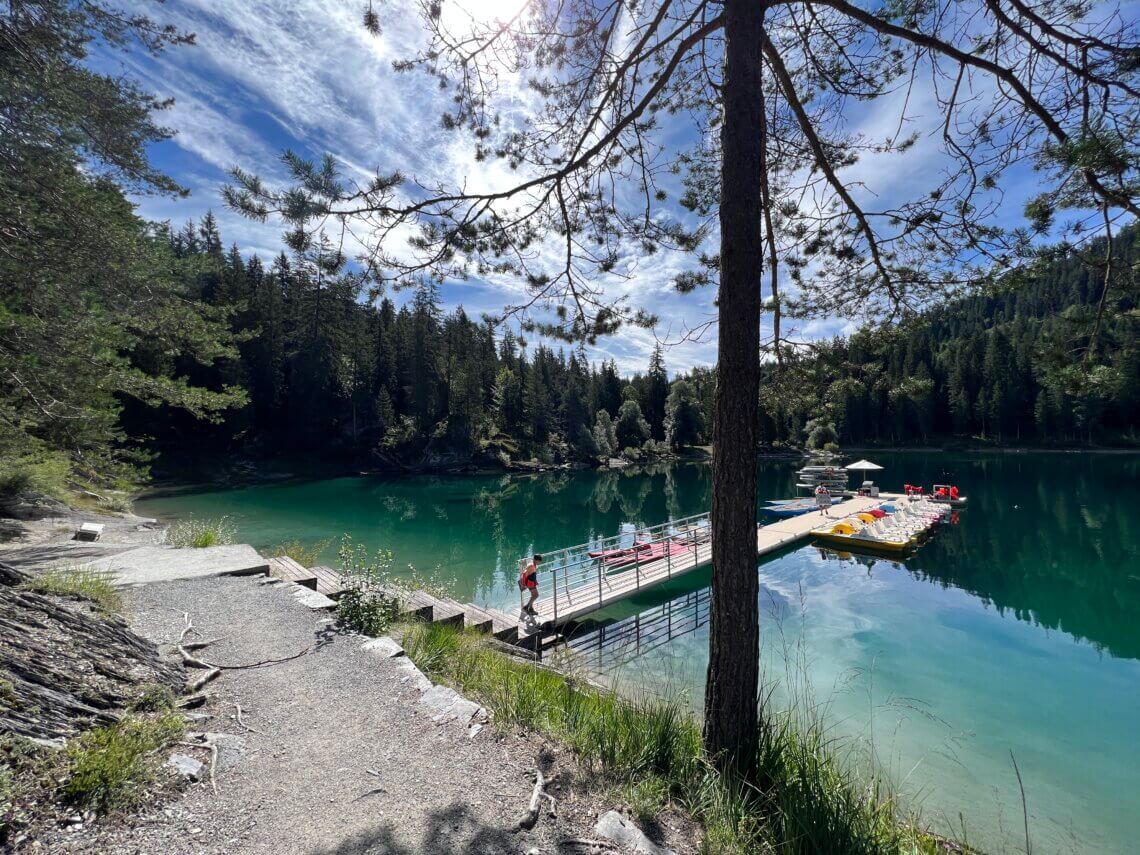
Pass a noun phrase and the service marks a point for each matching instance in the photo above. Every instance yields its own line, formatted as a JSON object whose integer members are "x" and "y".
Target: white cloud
{"x": 266, "y": 74}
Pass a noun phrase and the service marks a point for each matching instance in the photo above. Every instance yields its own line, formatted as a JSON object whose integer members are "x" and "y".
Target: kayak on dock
{"x": 787, "y": 508}
{"x": 947, "y": 494}
{"x": 609, "y": 554}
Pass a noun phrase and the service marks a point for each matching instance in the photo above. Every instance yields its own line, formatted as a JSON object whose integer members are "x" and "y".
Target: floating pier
{"x": 578, "y": 580}
{"x": 573, "y": 582}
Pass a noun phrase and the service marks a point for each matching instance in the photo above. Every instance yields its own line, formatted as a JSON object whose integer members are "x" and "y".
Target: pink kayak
{"x": 653, "y": 553}
{"x": 609, "y": 554}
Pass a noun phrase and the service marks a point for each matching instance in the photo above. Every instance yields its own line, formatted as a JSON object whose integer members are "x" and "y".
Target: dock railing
{"x": 577, "y": 576}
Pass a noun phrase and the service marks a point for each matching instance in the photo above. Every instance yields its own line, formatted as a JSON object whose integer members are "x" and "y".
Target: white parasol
{"x": 863, "y": 466}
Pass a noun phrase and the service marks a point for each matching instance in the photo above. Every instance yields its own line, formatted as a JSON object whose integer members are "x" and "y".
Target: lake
{"x": 1014, "y": 633}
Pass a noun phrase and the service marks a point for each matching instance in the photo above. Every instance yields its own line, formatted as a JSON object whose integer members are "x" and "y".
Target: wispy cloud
{"x": 271, "y": 74}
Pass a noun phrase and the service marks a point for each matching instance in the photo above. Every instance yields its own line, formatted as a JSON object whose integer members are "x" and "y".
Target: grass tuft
{"x": 154, "y": 697}
{"x": 80, "y": 582}
{"x": 801, "y": 799}
{"x": 112, "y": 765}
{"x": 306, "y": 556}
{"x": 116, "y": 502}
{"x": 201, "y": 534}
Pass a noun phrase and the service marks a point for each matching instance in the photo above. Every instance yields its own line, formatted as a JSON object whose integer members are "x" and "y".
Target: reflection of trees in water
{"x": 633, "y": 490}
{"x": 605, "y": 491}
{"x": 1052, "y": 540}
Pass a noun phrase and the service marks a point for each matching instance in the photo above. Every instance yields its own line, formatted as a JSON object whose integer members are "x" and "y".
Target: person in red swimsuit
{"x": 529, "y": 582}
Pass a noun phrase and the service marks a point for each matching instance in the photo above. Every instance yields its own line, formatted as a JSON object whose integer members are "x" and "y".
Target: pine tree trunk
{"x": 733, "y": 672}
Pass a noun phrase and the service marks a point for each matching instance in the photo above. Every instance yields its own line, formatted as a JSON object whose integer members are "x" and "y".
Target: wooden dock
{"x": 562, "y": 600}
{"x": 573, "y": 585}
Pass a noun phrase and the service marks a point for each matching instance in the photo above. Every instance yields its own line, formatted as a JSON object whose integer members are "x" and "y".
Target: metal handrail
{"x": 572, "y": 568}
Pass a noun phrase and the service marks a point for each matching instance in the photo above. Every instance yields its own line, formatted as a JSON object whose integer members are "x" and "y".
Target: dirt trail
{"x": 340, "y": 756}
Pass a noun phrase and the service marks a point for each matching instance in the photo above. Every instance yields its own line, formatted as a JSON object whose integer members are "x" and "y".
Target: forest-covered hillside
{"x": 1020, "y": 362}
{"x": 327, "y": 370}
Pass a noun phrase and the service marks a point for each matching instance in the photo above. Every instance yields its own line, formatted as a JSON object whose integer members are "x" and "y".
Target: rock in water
{"x": 65, "y": 667}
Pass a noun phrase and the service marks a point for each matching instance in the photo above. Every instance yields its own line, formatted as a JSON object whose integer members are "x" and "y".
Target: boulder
{"x": 186, "y": 766}
{"x": 32, "y": 506}
{"x": 613, "y": 826}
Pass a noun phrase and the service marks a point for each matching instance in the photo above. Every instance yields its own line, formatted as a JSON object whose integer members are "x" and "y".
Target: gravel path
{"x": 342, "y": 756}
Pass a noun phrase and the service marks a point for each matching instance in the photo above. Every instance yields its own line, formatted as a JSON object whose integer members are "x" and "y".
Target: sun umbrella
{"x": 863, "y": 466}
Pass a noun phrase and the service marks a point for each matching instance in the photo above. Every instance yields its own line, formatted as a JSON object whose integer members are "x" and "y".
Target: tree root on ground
{"x": 241, "y": 721}
{"x": 539, "y": 793}
{"x": 212, "y": 670}
{"x": 587, "y": 846}
{"x": 207, "y": 742}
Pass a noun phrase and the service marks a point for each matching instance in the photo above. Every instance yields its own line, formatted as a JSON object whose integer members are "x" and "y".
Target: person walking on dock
{"x": 823, "y": 499}
{"x": 529, "y": 582}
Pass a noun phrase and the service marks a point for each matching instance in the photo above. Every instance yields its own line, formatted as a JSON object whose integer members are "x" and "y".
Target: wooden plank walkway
{"x": 284, "y": 567}
{"x": 561, "y": 606}
{"x": 328, "y": 581}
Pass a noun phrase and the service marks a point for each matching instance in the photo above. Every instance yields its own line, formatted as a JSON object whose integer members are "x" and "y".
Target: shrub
{"x": 366, "y": 610}
{"x": 112, "y": 765}
{"x": 41, "y": 473}
{"x": 306, "y": 556}
{"x": 370, "y": 603}
{"x": 81, "y": 582}
{"x": 200, "y": 534}
{"x": 120, "y": 503}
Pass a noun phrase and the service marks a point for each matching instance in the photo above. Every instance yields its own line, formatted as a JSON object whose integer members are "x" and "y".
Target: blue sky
{"x": 270, "y": 74}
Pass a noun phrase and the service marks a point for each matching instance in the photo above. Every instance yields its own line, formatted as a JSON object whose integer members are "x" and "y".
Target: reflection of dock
{"x": 581, "y": 582}
{"x": 610, "y": 645}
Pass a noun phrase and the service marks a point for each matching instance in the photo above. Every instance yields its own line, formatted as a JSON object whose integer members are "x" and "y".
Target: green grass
{"x": 81, "y": 582}
{"x": 306, "y": 556}
{"x": 154, "y": 697}
{"x": 200, "y": 534}
{"x": 111, "y": 766}
{"x": 803, "y": 799}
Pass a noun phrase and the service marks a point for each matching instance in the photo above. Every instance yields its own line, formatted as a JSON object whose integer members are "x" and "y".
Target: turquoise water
{"x": 1015, "y": 631}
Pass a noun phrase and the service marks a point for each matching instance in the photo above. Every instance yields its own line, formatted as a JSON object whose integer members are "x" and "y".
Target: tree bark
{"x": 734, "y": 633}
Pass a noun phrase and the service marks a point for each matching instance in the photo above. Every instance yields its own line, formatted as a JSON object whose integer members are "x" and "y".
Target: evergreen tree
{"x": 656, "y": 391}
{"x": 632, "y": 429}
{"x": 684, "y": 422}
